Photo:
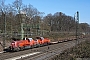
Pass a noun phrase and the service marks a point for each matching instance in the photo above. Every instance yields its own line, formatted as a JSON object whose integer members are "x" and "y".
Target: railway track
{"x": 52, "y": 52}
{"x": 45, "y": 52}
{"x": 45, "y": 55}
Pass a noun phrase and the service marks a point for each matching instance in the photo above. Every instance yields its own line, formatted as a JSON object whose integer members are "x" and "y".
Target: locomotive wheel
{"x": 38, "y": 45}
{"x": 16, "y": 49}
{"x": 21, "y": 48}
{"x": 45, "y": 44}
{"x": 35, "y": 46}
{"x": 30, "y": 46}
{"x": 41, "y": 45}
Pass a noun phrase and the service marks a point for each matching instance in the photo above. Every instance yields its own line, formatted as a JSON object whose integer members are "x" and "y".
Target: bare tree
{"x": 17, "y": 4}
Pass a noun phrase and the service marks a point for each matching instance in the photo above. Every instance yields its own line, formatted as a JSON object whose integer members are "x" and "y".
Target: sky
{"x": 69, "y": 7}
